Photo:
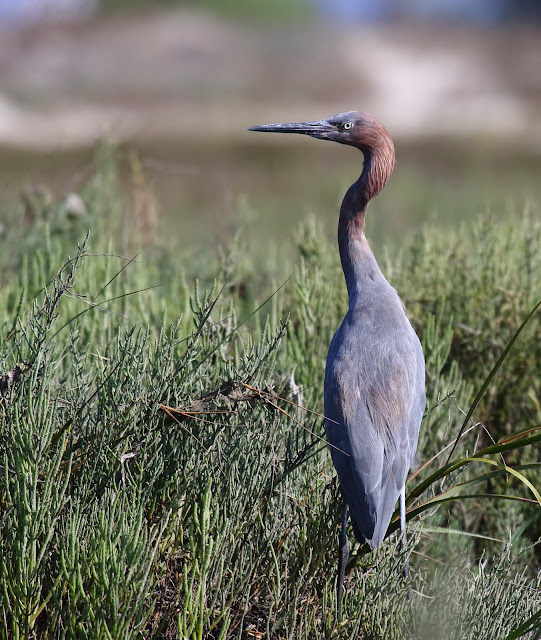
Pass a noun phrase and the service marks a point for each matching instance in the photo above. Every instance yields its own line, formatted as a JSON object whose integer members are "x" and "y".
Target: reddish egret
{"x": 375, "y": 372}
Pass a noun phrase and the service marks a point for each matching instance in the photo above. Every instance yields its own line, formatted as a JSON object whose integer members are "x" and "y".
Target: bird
{"x": 374, "y": 386}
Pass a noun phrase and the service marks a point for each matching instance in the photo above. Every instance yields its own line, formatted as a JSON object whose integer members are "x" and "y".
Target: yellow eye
{"x": 347, "y": 126}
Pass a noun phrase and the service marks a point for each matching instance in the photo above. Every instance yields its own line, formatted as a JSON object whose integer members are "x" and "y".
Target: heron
{"x": 374, "y": 389}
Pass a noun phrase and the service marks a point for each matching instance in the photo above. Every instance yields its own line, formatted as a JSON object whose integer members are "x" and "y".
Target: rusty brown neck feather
{"x": 379, "y": 159}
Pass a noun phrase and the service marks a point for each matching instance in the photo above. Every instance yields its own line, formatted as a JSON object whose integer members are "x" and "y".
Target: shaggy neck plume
{"x": 379, "y": 160}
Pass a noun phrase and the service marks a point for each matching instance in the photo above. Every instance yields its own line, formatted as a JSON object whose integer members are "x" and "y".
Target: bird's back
{"x": 374, "y": 401}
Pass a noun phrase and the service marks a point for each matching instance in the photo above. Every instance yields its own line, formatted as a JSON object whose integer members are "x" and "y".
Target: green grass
{"x": 209, "y": 188}
{"x": 254, "y": 9}
{"x": 163, "y": 472}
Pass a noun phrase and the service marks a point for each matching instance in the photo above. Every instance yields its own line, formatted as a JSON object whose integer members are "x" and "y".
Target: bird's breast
{"x": 373, "y": 364}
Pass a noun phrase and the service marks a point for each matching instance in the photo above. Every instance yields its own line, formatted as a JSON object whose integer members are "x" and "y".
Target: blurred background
{"x": 175, "y": 84}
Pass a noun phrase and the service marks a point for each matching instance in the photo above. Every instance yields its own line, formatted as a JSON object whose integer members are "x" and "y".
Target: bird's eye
{"x": 347, "y": 126}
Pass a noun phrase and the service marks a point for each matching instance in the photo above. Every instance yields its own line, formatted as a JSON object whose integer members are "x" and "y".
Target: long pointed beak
{"x": 316, "y": 129}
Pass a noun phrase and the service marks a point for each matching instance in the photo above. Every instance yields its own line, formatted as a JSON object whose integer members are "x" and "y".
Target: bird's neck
{"x": 358, "y": 262}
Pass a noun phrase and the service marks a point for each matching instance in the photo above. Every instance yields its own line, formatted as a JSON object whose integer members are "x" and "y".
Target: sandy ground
{"x": 172, "y": 75}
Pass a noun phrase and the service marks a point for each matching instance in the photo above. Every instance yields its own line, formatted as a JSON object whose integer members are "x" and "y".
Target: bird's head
{"x": 354, "y": 128}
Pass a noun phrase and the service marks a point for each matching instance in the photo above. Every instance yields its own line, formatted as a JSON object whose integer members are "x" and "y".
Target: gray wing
{"x": 374, "y": 402}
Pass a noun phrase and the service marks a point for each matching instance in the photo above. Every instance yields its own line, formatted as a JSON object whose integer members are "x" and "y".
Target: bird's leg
{"x": 343, "y": 555}
{"x": 403, "y": 528}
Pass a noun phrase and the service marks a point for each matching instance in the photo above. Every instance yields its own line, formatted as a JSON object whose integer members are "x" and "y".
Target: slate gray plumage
{"x": 375, "y": 372}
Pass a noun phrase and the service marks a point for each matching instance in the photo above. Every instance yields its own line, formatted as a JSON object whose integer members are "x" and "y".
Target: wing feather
{"x": 374, "y": 400}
